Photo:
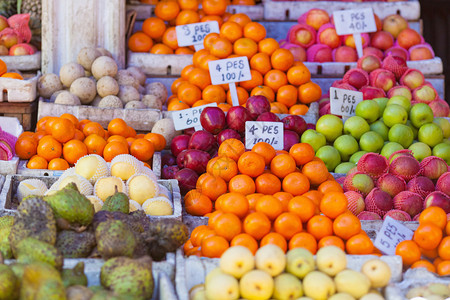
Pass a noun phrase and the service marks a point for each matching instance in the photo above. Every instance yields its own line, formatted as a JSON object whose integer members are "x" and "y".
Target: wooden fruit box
{"x": 23, "y": 62}
{"x": 70, "y": 25}
{"x": 192, "y": 270}
{"x": 139, "y": 119}
{"x": 144, "y": 11}
{"x": 292, "y": 10}
{"x": 9, "y": 202}
{"x": 24, "y": 112}
{"x": 18, "y": 90}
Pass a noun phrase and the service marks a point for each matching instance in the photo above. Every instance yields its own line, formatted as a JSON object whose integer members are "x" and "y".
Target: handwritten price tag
{"x": 194, "y": 34}
{"x": 229, "y": 70}
{"x": 188, "y": 118}
{"x": 354, "y": 21}
{"x": 343, "y": 102}
{"x": 269, "y": 132}
{"x": 391, "y": 234}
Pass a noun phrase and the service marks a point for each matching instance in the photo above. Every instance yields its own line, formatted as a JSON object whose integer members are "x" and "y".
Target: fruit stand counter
{"x": 291, "y": 10}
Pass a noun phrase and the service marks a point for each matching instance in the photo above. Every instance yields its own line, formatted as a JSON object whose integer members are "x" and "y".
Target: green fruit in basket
{"x": 71, "y": 207}
{"x": 356, "y": 156}
{"x": 356, "y": 126}
{"x": 382, "y": 103}
{"x": 402, "y": 101}
{"x": 442, "y": 150}
{"x": 368, "y": 110}
{"x": 390, "y": 148}
{"x": 344, "y": 167}
{"x": 117, "y": 202}
{"x": 314, "y": 138}
{"x": 414, "y": 129}
{"x": 421, "y": 114}
{"x": 445, "y": 126}
{"x": 41, "y": 281}
{"x": 330, "y": 126}
{"x": 420, "y": 150}
{"x": 75, "y": 276}
{"x": 330, "y": 157}
{"x": 430, "y": 134}
{"x": 128, "y": 277}
{"x": 32, "y": 250}
{"x": 114, "y": 238}
{"x": 380, "y": 128}
{"x": 75, "y": 245}
{"x": 371, "y": 141}
{"x": 401, "y": 134}
{"x": 394, "y": 114}
{"x": 34, "y": 219}
{"x": 346, "y": 145}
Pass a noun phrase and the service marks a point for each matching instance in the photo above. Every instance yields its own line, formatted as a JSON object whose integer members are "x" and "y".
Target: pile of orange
{"x": 430, "y": 246}
{"x": 59, "y": 142}
{"x": 265, "y": 196}
{"x": 158, "y": 34}
{"x": 4, "y": 72}
{"x": 284, "y": 82}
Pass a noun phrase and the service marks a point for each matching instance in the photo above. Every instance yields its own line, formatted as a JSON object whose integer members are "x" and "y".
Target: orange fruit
{"x": 282, "y": 165}
{"x": 214, "y": 93}
{"x": 268, "y": 46}
{"x": 235, "y": 203}
{"x": 346, "y": 225}
{"x": 270, "y": 206}
{"x": 221, "y": 47}
{"x": 37, "y": 162}
{"x": 295, "y": 183}
{"x": 246, "y": 240}
{"x": 298, "y": 109}
{"x": 142, "y": 149}
{"x": 264, "y": 91}
{"x": 93, "y": 127}
{"x": 320, "y": 226}
{"x": 26, "y": 147}
{"x": 316, "y": 171}
{"x": 331, "y": 241}
{"x": 224, "y": 167}
{"x": 252, "y": 199}
{"x": 254, "y": 31}
{"x": 303, "y": 240}
{"x": 140, "y": 42}
{"x": 434, "y": 215}
{"x": 3, "y": 67}
{"x": 214, "y": 7}
{"x": 287, "y": 95}
{"x": 303, "y": 207}
{"x": 154, "y": 27}
{"x": 278, "y": 107}
{"x": 302, "y": 153}
{"x": 188, "y": 4}
{"x": 228, "y": 225}
{"x": 231, "y": 148}
{"x": 287, "y": 224}
{"x": 267, "y": 184}
{"x": 58, "y": 164}
{"x": 70, "y": 117}
{"x": 158, "y": 140}
{"x": 242, "y": 96}
{"x": 428, "y": 236}
{"x": 257, "y": 225}
{"x": 298, "y": 75}
{"x": 231, "y": 31}
{"x": 330, "y": 186}
{"x": 284, "y": 198}
{"x": 200, "y": 78}
{"x": 62, "y": 130}
{"x": 13, "y": 75}
{"x": 333, "y": 204}
{"x": 213, "y": 186}
{"x": 444, "y": 248}
{"x": 73, "y": 150}
{"x": 275, "y": 79}
{"x": 265, "y": 150}
{"x": 118, "y": 127}
{"x": 423, "y": 263}
{"x": 245, "y": 47}
{"x": 187, "y": 17}
{"x": 274, "y": 238}
{"x": 167, "y": 10}
{"x": 443, "y": 268}
{"x": 309, "y": 92}
{"x": 260, "y": 62}
{"x": 242, "y": 184}
{"x": 170, "y": 38}
{"x": 198, "y": 204}
{"x": 409, "y": 251}
{"x": 251, "y": 163}
{"x": 218, "y": 19}
{"x": 240, "y": 18}
{"x": 113, "y": 149}
{"x": 49, "y": 148}
{"x": 161, "y": 49}
{"x": 95, "y": 144}
{"x": 189, "y": 93}
{"x": 214, "y": 246}
{"x": 257, "y": 80}
{"x": 359, "y": 244}
{"x": 282, "y": 59}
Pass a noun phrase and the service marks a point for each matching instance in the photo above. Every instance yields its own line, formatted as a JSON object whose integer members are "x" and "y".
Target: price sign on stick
{"x": 343, "y": 102}
{"x": 355, "y": 21}
{"x": 188, "y": 118}
{"x": 269, "y": 132}
{"x": 230, "y": 70}
{"x": 194, "y": 34}
{"x": 391, "y": 234}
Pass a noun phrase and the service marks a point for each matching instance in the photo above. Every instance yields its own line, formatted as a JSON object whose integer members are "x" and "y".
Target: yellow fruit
{"x": 134, "y": 206}
{"x": 124, "y": 166}
{"x": 91, "y": 167}
{"x": 106, "y": 186}
{"x": 83, "y": 185}
{"x": 30, "y": 187}
{"x": 141, "y": 187}
{"x": 96, "y": 201}
{"x": 158, "y": 206}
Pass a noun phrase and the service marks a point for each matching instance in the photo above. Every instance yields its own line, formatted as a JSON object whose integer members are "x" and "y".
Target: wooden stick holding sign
{"x": 194, "y": 34}
{"x": 230, "y": 70}
{"x": 355, "y": 21}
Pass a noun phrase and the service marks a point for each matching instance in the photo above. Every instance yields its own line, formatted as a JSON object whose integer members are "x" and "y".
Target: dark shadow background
{"x": 436, "y": 30}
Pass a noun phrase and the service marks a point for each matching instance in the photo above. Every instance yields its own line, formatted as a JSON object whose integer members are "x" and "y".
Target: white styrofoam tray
{"x": 18, "y": 90}
{"x": 23, "y": 62}
{"x": 11, "y": 126}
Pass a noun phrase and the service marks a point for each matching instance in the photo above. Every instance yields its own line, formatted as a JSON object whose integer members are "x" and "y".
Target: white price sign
{"x": 194, "y": 34}
{"x": 343, "y": 102}
{"x": 391, "y": 234}
{"x": 269, "y": 132}
{"x": 188, "y": 118}
{"x": 229, "y": 70}
{"x": 354, "y": 21}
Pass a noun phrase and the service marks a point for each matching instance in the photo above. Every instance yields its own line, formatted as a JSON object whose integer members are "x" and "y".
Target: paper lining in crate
{"x": 192, "y": 270}
{"x": 23, "y": 170}
{"x": 23, "y": 62}
{"x": 163, "y": 274}
{"x": 9, "y": 201}
{"x": 18, "y": 90}
{"x": 292, "y": 10}
{"x": 11, "y": 126}
{"x": 139, "y": 119}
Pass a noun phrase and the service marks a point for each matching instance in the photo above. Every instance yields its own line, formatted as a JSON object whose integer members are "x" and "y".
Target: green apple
{"x": 430, "y": 134}
{"x": 420, "y": 150}
{"x": 382, "y": 102}
{"x": 380, "y": 128}
{"x": 352, "y": 282}
{"x": 421, "y": 114}
{"x": 390, "y": 148}
{"x": 330, "y": 126}
{"x": 394, "y": 114}
{"x": 355, "y": 157}
{"x": 442, "y": 150}
{"x": 356, "y": 126}
{"x": 331, "y": 260}
{"x": 401, "y": 134}
{"x": 443, "y": 123}
{"x": 400, "y": 100}
{"x": 369, "y": 110}
{"x": 346, "y": 145}
{"x": 413, "y": 128}
{"x": 287, "y": 286}
{"x": 371, "y": 141}
{"x": 344, "y": 167}
{"x": 237, "y": 261}
{"x": 330, "y": 157}
{"x": 222, "y": 286}
{"x": 270, "y": 258}
{"x": 299, "y": 262}
{"x": 378, "y": 272}
{"x": 256, "y": 284}
{"x": 314, "y": 138}
{"x": 318, "y": 285}
{"x": 341, "y": 296}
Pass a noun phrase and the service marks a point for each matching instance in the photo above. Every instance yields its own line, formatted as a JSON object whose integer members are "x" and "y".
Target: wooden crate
{"x": 25, "y": 112}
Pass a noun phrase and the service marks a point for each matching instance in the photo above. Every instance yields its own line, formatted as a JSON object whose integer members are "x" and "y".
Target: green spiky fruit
{"x": 129, "y": 277}
{"x": 41, "y": 281}
{"x": 68, "y": 204}
{"x": 31, "y": 250}
{"x": 34, "y": 219}
{"x": 75, "y": 276}
{"x": 114, "y": 238}
{"x": 75, "y": 245}
{"x": 6, "y": 223}
{"x": 8, "y": 283}
{"x": 117, "y": 202}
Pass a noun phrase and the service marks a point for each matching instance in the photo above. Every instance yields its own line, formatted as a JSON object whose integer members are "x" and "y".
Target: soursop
{"x": 128, "y": 277}
{"x": 75, "y": 276}
{"x": 71, "y": 207}
{"x": 41, "y": 281}
{"x": 34, "y": 219}
{"x": 117, "y": 202}
{"x": 8, "y": 283}
{"x": 114, "y": 238}
{"x": 6, "y": 223}
{"x": 31, "y": 250}
{"x": 75, "y": 245}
